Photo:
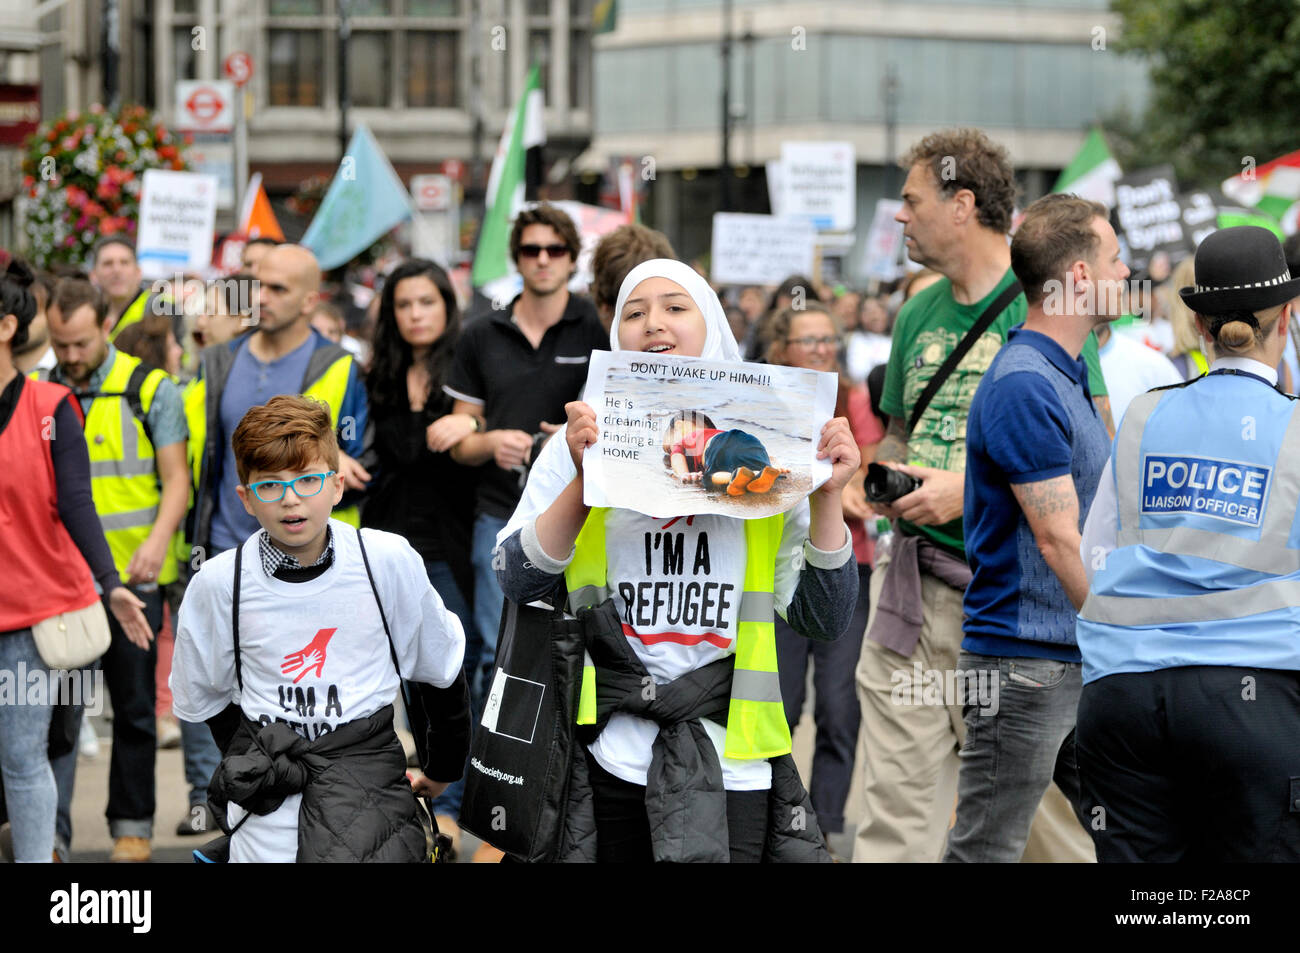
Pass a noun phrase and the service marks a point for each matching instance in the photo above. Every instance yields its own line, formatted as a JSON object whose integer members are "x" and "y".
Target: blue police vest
{"x": 1207, "y": 568}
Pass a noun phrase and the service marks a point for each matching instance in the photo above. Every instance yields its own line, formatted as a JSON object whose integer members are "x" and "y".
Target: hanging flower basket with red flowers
{"x": 82, "y": 177}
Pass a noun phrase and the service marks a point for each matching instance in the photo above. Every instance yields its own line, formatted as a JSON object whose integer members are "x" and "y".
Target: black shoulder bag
{"x": 995, "y": 308}
{"x": 521, "y": 752}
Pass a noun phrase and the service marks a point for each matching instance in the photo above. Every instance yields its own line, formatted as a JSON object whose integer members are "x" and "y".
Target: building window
{"x": 399, "y": 52}
{"x": 580, "y": 69}
{"x": 433, "y": 8}
{"x": 369, "y": 8}
{"x": 539, "y": 54}
{"x": 369, "y": 66}
{"x": 297, "y": 8}
{"x": 184, "y": 62}
{"x": 185, "y": 6}
{"x": 296, "y": 68}
{"x": 433, "y": 69}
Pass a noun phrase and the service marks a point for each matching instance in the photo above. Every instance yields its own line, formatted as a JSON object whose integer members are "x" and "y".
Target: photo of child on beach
{"x": 681, "y": 436}
{"x": 698, "y": 452}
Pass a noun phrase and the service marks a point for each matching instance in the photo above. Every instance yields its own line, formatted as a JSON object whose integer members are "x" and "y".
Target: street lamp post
{"x": 111, "y": 50}
{"x": 345, "y": 32}
{"x": 724, "y": 172}
{"x": 891, "y": 125}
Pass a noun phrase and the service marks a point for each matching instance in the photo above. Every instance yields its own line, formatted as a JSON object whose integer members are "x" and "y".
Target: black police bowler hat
{"x": 1242, "y": 268}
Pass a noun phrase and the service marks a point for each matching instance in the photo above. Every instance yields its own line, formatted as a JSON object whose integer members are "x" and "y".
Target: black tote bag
{"x": 517, "y": 783}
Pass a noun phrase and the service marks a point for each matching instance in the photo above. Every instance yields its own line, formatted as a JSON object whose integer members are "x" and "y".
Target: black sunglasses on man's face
{"x": 552, "y": 251}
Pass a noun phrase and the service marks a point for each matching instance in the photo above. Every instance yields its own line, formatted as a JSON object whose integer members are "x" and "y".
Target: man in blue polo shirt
{"x": 1036, "y": 448}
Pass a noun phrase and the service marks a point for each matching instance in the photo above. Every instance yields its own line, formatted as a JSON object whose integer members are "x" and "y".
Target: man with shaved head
{"x": 282, "y": 355}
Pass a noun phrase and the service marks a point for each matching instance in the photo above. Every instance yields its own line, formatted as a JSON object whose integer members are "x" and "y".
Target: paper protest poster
{"x": 760, "y": 249}
{"x": 177, "y": 213}
{"x": 765, "y": 416}
{"x": 818, "y": 180}
{"x": 884, "y": 242}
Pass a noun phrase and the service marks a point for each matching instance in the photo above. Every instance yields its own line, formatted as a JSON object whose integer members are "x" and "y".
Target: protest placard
{"x": 760, "y": 249}
{"x": 177, "y": 213}
{"x": 676, "y": 432}
{"x": 880, "y": 252}
{"x": 1148, "y": 217}
{"x": 818, "y": 180}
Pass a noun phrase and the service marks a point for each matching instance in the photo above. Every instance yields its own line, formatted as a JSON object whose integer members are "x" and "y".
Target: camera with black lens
{"x": 884, "y": 485}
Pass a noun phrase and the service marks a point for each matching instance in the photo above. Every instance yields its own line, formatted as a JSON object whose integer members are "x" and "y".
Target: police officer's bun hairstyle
{"x": 1236, "y": 332}
{"x": 16, "y": 298}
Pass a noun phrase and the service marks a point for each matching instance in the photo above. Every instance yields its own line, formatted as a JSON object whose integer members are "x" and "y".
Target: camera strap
{"x": 995, "y": 308}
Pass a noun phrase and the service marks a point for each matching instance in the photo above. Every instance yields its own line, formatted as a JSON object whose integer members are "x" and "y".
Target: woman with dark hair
{"x": 420, "y": 492}
{"x": 55, "y": 556}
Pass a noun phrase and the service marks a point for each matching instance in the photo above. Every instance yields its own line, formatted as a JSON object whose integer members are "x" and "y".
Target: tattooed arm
{"x": 1052, "y": 509}
{"x": 894, "y": 446}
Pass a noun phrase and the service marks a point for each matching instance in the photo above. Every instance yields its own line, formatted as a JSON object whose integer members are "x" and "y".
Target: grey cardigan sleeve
{"x": 522, "y": 579}
{"x": 823, "y": 602}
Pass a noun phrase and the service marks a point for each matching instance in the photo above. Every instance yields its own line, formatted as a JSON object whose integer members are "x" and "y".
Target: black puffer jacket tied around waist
{"x": 685, "y": 798}
{"x": 357, "y": 805}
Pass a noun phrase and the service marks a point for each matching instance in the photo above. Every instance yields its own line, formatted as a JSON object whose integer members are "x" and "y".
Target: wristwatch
{"x": 478, "y": 423}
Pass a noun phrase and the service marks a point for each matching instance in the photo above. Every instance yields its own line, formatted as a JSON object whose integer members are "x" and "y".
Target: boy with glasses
{"x": 309, "y": 622}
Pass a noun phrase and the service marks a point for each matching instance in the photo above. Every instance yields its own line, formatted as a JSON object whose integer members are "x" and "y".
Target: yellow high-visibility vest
{"x": 330, "y": 388}
{"x": 123, "y": 469}
{"x": 132, "y": 315}
{"x": 756, "y": 725}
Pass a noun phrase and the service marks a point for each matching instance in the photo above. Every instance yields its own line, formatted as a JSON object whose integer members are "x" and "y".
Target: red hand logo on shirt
{"x": 313, "y": 656}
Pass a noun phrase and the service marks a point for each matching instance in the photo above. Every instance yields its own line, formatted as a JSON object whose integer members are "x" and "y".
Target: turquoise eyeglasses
{"x": 272, "y": 491}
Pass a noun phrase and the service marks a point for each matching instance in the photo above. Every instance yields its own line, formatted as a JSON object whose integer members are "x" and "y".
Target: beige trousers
{"x": 911, "y": 743}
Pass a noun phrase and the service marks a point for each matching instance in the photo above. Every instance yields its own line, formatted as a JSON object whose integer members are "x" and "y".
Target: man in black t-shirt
{"x": 517, "y": 369}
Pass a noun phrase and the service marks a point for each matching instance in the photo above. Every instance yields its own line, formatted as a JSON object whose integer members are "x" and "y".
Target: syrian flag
{"x": 1092, "y": 173}
{"x": 1272, "y": 189}
{"x": 507, "y": 183}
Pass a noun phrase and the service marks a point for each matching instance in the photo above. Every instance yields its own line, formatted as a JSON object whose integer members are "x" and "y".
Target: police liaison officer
{"x": 1189, "y": 722}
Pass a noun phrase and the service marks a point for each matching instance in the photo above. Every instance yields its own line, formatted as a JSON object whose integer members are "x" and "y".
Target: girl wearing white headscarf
{"x": 665, "y": 307}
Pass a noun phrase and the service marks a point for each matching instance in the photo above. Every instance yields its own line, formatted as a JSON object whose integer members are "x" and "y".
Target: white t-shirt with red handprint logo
{"x": 314, "y": 654}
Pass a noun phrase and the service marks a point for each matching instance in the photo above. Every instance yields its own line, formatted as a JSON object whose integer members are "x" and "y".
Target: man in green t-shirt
{"x": 957, "y": 206}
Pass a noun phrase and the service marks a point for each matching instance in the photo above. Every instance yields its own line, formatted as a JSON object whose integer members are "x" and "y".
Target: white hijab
{"x": 719, "y": 343}
{"x": 554, "y": 469}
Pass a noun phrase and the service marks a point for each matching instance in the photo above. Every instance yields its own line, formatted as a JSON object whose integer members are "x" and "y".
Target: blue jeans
{"x": 444, "y": 583}
{"x": 201, "y": 759}
{"x": 1014, "y": 749}
{"x": 488, "y": 602}
{"x": 129, "y": 677}
{"x": 30, "y": 793}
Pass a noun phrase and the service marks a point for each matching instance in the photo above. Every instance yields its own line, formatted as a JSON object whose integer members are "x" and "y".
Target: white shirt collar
{"x": 1249, "y": 365}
